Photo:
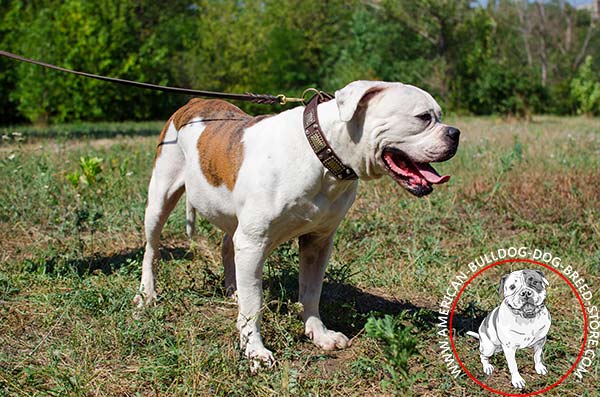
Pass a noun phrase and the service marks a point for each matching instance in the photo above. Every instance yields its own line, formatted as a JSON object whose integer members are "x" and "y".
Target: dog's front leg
{"x": 516, "y": 378}
{"x": 250, "y": 253}
{"x": 314, "y": 254}
{"x": 538, "y": 349}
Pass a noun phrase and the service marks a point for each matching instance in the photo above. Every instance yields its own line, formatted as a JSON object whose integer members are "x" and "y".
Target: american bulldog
{"x": 522, "y": 320}
{"x": 259, "y": 180}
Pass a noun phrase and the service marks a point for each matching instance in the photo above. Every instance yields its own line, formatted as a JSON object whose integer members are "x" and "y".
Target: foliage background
{"x": 72, "y": 196}
{"x": 497, "y": 57}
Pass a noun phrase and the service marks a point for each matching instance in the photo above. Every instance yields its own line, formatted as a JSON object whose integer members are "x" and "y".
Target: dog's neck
{"x": 348, "y": 141}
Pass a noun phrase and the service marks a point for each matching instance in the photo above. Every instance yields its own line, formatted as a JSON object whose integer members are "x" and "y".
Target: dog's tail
{"x": 473, "y": 334}
{"x": 190, "y": 217}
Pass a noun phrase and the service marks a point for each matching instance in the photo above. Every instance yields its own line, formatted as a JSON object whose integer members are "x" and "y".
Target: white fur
{"x": 283, "y": 192}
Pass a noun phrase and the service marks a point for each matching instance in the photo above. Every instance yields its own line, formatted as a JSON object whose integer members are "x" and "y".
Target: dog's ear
{"x": 349, "y": 97}
{"x": 502, "y": 281}
{"x": 544, "y": 280}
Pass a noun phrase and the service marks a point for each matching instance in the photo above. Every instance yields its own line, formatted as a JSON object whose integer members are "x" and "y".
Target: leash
{"x": 312, "y": 129}
{"x": 249, "y": 96}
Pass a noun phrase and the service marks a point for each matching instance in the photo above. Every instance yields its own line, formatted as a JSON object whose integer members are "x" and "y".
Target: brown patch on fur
{"x": 199, "y": 108}
{"x": 221, "y": 150}
{"x": 220, "y": 147}
{"x": 207, "y": 109}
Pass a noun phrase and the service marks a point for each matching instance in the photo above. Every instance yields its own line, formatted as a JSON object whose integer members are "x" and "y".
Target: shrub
{"x": 399, "y": 343}
{"x": 585, "y": 89}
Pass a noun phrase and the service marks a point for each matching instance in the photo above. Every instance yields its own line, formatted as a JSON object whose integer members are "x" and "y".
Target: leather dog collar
{"x": 319, "y": 144}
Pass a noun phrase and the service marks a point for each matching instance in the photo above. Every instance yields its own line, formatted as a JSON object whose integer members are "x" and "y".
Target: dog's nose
{"x": 453, "y": 133}
{"x": 526, "y": 294}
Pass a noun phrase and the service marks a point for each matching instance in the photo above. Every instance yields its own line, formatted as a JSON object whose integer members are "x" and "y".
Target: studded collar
{"x": 319, "y": 144}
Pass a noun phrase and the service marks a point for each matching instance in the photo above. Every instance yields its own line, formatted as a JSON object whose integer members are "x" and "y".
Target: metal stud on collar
{"x": 317, "y": 141}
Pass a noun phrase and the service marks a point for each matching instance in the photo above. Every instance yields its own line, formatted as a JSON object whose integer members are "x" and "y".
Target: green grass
{"x": 25, "y": 133}
{"x": 71, "y": 252}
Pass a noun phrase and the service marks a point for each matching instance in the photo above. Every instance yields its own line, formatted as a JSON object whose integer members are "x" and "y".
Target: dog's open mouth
{"x": 529, "y": 310}
{"x": 417, "y": 178}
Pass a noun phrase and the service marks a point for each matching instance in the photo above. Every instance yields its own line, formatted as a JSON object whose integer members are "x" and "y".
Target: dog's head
{"x": 402, "y": 124}
{"x": 524, "y": 291}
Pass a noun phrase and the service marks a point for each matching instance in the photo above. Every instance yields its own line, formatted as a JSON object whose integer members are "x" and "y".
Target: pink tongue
{"x": 430, "y": 174}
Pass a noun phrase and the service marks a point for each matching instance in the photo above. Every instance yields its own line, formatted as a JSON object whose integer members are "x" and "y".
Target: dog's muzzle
{"x": 452, "y": 136}
{"x": 524, "y": 303}
{"x": 419, "y": 178}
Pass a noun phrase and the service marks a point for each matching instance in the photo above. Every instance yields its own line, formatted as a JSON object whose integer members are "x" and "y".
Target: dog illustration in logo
{"x": 522, "y": 320}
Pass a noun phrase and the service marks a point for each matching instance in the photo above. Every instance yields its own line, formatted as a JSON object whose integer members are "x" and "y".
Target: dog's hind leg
{"x": 165, "y": 189}
{"x": 227, "y": 254}
{"x": 486, "y": 351}
{"x": 190, "y": 219}
{"x": 488, "y": 368}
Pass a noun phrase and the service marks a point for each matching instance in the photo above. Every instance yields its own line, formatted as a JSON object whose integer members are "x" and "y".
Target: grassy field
{"x": 71, "y": 215}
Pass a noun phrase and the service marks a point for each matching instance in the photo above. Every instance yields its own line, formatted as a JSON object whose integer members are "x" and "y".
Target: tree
{"x": 508, "y": 57}
{"x": 585, "y": 89}
{"x": 109, "y": 37}
{"x": 379, "y": 48}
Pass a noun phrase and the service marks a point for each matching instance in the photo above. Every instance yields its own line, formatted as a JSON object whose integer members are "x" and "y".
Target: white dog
{"x": 261, "y": 182}
{"x": 522, "y": 320}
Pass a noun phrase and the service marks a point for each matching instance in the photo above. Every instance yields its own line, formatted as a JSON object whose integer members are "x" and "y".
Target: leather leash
{"x": 317, "y": 140}
{"x": 312, "y": 129}
{"x": 251, "y": 97}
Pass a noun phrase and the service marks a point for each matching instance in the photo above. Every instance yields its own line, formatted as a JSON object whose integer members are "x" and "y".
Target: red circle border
{"x": 585, "y": 329}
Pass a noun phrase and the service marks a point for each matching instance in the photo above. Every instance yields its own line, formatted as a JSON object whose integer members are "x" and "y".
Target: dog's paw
{"x": 138, "y": 301}
{"x": 518, "y": 381}
{"x": 488, "y": 369}
{"x": 329, "y": 340}
{"x": 541, "y": 369}
{"x": 259, "y": 358}
{"x": 323, "y": 337}
{"x": 142, "y": 300}
{"x": 232, "y": 295}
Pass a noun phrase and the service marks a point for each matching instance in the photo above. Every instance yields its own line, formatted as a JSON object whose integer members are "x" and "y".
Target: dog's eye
{"x": 426, "y": 117}
{"x": 512, "y": 287}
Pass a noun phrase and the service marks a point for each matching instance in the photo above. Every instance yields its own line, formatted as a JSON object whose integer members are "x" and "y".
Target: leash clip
{"x": 322, "y": 95}
{"x": 284, "y": 100}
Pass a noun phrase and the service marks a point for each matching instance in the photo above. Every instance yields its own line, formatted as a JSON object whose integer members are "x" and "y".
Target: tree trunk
{"x": 525, "y": 29}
